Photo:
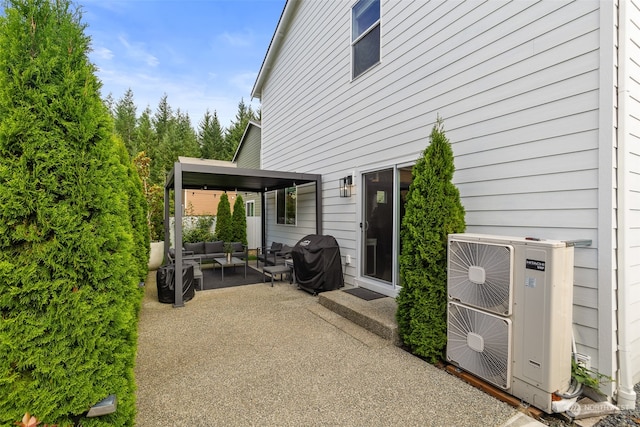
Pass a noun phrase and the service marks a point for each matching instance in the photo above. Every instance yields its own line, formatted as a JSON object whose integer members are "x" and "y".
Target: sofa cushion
{"x": 285, "y": 250}
{"x": 237, "y": 247}
{"x": 196, "y": 248}
{"x": 276, "y": 246}
{"x": 214, "y": 247}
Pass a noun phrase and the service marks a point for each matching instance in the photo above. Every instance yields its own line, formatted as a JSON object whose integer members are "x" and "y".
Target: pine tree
{"x": 125, "y": 122}
{"x": 162, "y": 118}
{"x": 145, "y": 134}
{"x": 211, "y": 137}
{"x": 239, "y": 221}
{"x": 69, "y": 272}
{"x": 186, "y": 140}
{"x": 224, "y": 231}
{"x": 433, "y": 211}
{"x": 236, "y": 130}
{"x": 161, "y": 151}
{"x": 110, "y": 103}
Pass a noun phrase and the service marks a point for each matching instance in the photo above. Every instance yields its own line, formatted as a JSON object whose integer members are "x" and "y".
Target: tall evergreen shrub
{"x": 138, "y": 209}
{"x": 69, "y": 278}
{"x": 223, "y": 220}
{"x": 239, "y": 221}
{"x": 433, "y": 211}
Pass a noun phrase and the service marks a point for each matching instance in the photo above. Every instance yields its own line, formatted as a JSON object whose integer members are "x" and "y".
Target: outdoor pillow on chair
{"x": 285, "y": 251}
{"x": 214, "y": 247}
{"x": 275, "y": 247}
{"x": 197, "y": 248}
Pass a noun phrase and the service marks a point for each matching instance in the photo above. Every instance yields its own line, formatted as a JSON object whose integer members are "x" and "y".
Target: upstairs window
{"x": 365, "y": 35}
{"x": 286, "y": 206}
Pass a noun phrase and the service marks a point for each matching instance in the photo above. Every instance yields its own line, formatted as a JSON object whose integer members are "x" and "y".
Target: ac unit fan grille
{"x": 492, "y": 360}
{"x": 480, "y": 275}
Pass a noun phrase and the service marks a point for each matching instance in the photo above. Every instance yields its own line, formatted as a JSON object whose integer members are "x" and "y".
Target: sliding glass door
{"x": 378, "y": 225}
{"x": 383, "y": 208}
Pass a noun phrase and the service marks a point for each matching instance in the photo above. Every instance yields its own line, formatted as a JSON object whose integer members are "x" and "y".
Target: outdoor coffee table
{"x": 275, "y": 269}
{"x": 233, "y": 263}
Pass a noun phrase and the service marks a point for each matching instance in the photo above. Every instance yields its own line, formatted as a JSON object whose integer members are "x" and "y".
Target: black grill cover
{"x": 317, "y": 263}
{"x": 166, "y": 283}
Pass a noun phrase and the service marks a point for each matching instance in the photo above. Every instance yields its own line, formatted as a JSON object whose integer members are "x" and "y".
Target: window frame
{"x": 360, "y": 37}
{"x": 280, "y": 194}
{"x": 250, "y": 208}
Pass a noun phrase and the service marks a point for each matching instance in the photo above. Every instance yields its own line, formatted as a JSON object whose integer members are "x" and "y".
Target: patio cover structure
{"x": 209, "y": 175}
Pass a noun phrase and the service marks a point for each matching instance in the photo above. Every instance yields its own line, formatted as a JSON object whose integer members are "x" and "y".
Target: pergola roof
{"x": 215, "y": 177}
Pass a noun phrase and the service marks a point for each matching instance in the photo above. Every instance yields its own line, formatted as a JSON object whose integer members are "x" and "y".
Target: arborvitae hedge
{"x": 223, "y": 220}
{"x": 68, "y": 274}
{"x": 137, "y": 209}
{"x": 433, "y": 211}
{"x": 239, "y": 221}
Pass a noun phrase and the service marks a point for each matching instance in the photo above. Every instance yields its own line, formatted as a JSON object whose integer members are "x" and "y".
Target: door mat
{"x": 364, "y": 293}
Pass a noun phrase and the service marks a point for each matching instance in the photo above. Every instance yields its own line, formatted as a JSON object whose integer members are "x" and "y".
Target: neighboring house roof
{"x": 274, "y": 47}
{"x": 244, "y": 136}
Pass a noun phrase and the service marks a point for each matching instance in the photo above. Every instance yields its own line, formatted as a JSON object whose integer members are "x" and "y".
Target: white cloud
{"x": 238, "y": 39}
{"x": 103, "y": 53}
{"x": 137, "y": 52}
{"x": 244, "y": 81}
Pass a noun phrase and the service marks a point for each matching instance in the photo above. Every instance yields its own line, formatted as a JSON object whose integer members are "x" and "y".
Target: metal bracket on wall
{"x": 578, "y": 243}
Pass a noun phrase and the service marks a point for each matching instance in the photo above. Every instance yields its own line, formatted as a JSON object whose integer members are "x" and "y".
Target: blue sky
{"x": 204, "y": 54}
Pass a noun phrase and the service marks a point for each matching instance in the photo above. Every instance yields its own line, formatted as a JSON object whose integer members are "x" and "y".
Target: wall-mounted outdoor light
{"x": 345, "y": 186}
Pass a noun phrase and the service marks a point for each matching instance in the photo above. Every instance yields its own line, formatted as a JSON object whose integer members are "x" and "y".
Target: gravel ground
{"x": 258, "y": 355}
{"x": 628, "y": 418}
{"x": 624, "y": 418}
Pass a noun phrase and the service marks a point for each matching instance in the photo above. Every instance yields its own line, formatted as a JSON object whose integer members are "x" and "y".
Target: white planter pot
{"x": 156, "y": 255}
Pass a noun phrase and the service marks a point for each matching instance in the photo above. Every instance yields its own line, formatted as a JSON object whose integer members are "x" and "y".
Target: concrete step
{"x": 377, "y": 316}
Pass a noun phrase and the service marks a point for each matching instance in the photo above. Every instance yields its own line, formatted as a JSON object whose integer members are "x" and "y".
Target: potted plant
{"x": 228, "y": 250}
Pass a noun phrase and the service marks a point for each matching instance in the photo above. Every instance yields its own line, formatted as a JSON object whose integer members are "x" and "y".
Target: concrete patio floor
{"x": 258, "y": 355}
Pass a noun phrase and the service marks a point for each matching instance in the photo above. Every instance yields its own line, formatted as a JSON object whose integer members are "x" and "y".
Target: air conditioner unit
{"x": 510, "y": 313}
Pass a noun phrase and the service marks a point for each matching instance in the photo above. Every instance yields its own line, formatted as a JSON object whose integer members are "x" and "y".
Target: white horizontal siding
{"x": 518, "y": 86}
{"x": 376, "y": 109}
{"x": 305, "y": 217}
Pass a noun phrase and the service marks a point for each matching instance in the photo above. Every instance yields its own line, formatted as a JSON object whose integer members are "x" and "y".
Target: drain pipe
{"x": 626, "y": 398}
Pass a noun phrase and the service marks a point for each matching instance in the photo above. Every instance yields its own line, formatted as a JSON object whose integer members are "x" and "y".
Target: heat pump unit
{"x": 510, "y": 313}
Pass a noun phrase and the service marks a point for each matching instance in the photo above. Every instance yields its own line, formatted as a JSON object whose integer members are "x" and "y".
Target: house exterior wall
{"x": 248, "y": 157}
{"x": 305, "y": 217}
{"x": 526, "y": 92}
{"x": 204, "y": 202}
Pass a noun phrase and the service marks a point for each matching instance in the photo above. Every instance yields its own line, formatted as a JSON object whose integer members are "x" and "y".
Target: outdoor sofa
{"x": 274, "y": 254}
{"x": 207, "y": 251}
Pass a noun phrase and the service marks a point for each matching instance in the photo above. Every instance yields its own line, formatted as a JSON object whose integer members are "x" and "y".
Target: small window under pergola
{"x": 211, "y": 175}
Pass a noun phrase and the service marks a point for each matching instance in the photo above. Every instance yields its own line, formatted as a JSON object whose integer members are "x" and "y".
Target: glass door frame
{"x": 387, "y": 288}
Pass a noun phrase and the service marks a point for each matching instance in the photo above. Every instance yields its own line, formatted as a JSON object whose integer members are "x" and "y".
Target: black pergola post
{"x": 178, "y": 235}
